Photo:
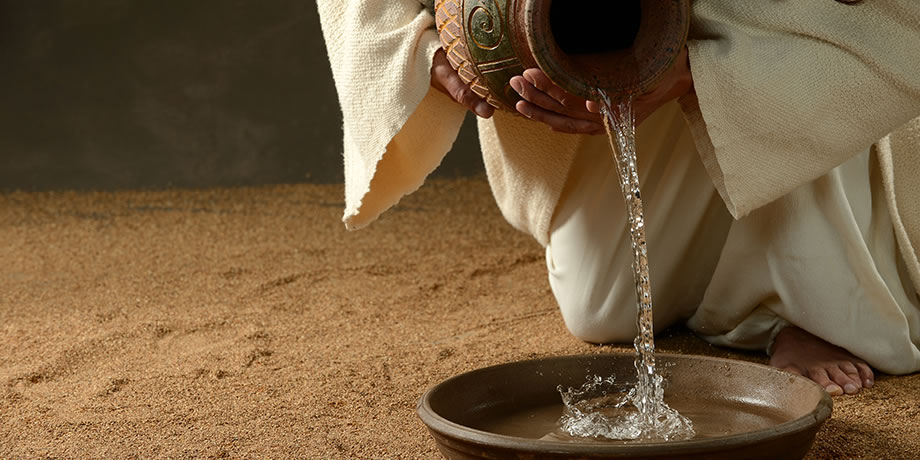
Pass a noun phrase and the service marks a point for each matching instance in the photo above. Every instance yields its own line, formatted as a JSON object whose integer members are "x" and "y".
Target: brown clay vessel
{"x": 621, "y": 46}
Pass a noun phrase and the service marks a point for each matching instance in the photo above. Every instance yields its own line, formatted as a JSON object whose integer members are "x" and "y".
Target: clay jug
{"x": 622, "y": 46}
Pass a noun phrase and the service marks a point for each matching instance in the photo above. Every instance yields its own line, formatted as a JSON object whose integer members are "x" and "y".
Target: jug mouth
{"x": 625, "y": 48}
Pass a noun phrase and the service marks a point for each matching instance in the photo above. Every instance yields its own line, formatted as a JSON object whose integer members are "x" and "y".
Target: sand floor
{"x": 242, "y": 323}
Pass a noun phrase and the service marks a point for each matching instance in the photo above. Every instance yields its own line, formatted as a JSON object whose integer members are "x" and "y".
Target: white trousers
{"x": 823, "y": 258}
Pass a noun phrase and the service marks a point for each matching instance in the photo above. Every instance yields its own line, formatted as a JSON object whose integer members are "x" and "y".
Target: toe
{"x": 865, "y": 374}
{"x": 850, "y": 385}
{"x": 849, "y": 368}
{"x": 819, "y": 375}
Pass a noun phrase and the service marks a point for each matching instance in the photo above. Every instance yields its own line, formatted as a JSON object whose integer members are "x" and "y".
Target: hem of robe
{"x": 414, "y": 152}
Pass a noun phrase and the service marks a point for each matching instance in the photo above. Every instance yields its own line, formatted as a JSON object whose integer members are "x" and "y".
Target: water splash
{"x": 602, "y": 408}
{"x": 639, "y": 412}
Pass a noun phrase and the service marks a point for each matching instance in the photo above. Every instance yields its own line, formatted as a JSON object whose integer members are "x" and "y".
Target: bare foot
{"x": 832, "y": 367}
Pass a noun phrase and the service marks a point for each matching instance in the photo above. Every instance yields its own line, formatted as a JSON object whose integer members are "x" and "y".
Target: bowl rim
{"x": 435, "y": 422}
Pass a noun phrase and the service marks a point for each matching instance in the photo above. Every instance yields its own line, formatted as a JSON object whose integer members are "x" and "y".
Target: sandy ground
{"x": 248, "y": 323}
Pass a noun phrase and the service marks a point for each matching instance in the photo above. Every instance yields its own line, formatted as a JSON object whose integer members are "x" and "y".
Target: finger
{"x": 537, "y": 78}
{"x": 819, "y": 375}
{"x": 484, "y": 109}
{"x": 558, "y": 122}
{"x": 866, "y": 374}
{"x": 445, "y": 78}
{"x": 593, "y": 106}
{"x": 532, "y": 94}
{"x": 462, "y": 93}
{"x": 837, "y": 375}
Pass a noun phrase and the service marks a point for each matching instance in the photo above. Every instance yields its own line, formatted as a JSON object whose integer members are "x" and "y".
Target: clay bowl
{"x": 740, "y": 409}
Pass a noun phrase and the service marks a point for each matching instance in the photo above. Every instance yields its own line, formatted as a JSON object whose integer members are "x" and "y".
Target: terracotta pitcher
{"x": 622, "y": 46}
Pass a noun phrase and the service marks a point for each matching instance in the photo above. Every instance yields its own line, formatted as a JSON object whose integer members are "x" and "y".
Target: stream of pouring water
{"x": 589, "y": 410}
{"x": 620, "y": 124}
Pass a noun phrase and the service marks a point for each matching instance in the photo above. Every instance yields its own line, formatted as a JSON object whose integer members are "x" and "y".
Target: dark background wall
{"x": 107, "y": 94}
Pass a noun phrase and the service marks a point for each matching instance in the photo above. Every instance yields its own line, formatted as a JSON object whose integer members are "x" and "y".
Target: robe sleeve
{"x": 396, "y": 128}
{"x": 786, "y": 91}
